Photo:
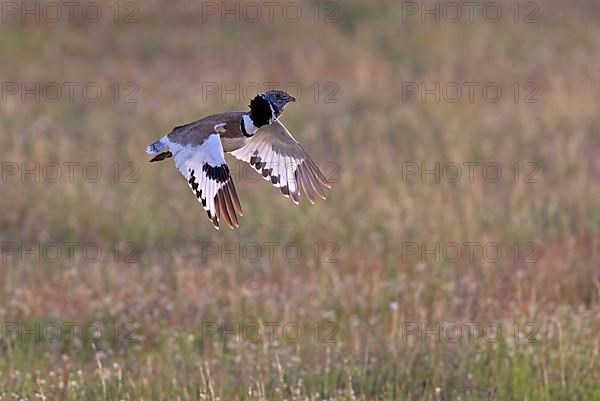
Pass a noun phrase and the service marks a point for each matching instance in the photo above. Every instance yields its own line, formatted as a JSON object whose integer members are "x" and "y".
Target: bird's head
{"x": 266, "y": 107}
{"x": 277, "y": 100}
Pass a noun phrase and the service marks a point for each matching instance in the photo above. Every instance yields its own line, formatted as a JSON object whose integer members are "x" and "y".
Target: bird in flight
{"x": 256, "y": 137}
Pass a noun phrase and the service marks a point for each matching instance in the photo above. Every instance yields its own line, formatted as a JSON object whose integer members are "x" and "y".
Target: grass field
{"x": 412, "y": 281}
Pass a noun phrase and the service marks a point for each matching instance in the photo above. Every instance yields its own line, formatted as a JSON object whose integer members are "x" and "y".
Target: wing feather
{"x": 308, "y": 189}
{"x": 279, "y": 158}
{"x": 203, "y": 165}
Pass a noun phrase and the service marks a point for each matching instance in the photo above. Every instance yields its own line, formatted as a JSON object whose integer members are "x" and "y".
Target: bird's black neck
{"x": 260, "y": 112}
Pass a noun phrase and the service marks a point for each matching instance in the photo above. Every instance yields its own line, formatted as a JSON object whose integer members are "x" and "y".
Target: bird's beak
{"x": 292, "y": 99}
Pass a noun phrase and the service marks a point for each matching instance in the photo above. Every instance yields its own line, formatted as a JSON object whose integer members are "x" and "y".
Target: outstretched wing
{"x": 275, "y": 154}
{"x": 203, "y": 165}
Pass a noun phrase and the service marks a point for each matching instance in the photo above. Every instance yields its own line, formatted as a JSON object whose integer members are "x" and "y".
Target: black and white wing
{"x": 203, "y": 165}
{"x": 274, "y": 153}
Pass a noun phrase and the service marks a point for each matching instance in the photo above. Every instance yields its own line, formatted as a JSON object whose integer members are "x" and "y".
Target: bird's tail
{"x": 161, "y": 156}
{"x": 157, "y": 146}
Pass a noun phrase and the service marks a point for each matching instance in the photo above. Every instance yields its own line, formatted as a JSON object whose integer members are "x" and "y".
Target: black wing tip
{"x": 226, "y": 206}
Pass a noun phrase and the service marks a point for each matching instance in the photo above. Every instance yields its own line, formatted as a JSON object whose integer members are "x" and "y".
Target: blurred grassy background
{"x": 371, "y": 292}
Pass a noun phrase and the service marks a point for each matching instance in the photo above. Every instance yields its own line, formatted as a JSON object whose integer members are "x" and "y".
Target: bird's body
{"x": 256, "y": 137}
{"x": 229, "y": 130}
